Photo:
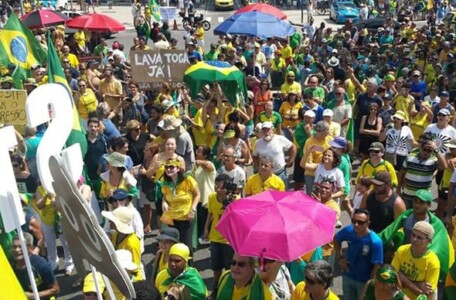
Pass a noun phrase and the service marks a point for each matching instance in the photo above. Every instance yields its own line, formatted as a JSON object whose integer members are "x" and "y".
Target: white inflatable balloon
{"x": 55, "y": 98}
{"x": 9, "y": 194}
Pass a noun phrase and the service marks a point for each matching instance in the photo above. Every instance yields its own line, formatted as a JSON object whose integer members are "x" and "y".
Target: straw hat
{"x": 169, "y": 123}
{"x": 122, "y": 217}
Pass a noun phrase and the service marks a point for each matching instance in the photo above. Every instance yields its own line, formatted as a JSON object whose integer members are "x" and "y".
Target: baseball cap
{"x": 445, "y": 94}
{"x": 338, "y": 142}
{"x": 444, "y": 111}
{"x": 400, "y": 115}
{"x": 267, "y": 124}
{"x": 381, "y": 178}
{"x": 309, "y": 113}
{"x": 328, "y": 113}
{"x": 425, "y": 228}
{"x": 120, "y": 194}
{"x": 424, "y": 195}
{"x": 377, "y": 146}
{"x": 169, "y": 234}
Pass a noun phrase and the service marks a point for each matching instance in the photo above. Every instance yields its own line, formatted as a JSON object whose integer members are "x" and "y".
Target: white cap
{"x": 309, "y": 113}
{"x": 328, "y": 113}
{"x": 267, "y": 124}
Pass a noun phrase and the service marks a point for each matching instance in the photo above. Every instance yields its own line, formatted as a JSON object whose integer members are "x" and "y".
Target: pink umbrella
{"x": 264, "y": 8}
{"x": 277, "y": 225}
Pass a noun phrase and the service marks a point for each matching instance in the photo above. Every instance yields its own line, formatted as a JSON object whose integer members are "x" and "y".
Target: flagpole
{"x": 25, "y": 252}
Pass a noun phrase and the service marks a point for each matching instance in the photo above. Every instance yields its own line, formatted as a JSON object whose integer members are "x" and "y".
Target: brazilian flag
{"x": 56, "y": 75}
{"x": 154, "y": 10}
{"x": 441, "y": 242}
{"x": 19, "y": 46}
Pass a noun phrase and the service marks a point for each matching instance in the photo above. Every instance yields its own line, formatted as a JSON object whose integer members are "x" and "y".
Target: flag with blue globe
{"x": 19, "y": 46}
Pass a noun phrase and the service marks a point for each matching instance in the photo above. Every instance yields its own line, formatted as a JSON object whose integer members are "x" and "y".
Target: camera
{"x": 231, "y": 188}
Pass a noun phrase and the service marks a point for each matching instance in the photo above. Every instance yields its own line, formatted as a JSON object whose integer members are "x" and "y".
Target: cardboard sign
{"x": 12, "y": 107}
{"x": 159, "y": 65}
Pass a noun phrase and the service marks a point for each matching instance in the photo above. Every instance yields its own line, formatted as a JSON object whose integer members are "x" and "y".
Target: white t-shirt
{"x": 442, "y": 136}
{"x": 238, "y": 175}
{"x": 335, "y": 174}
{"x": 398, "y": 144}
{"x": 275, "y": 149}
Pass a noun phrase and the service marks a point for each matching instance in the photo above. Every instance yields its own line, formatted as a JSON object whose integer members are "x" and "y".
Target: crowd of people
{"x": 363, "y": 120}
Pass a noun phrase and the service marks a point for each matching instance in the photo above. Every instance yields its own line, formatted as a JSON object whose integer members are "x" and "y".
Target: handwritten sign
{"x": 12, "y": 107}
{"x": 159, "y": 65}
{"x": 168, "y": 13}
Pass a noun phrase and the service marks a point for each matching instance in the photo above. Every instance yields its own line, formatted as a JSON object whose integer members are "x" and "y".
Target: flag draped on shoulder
{"x": 155, "y": 10}
{"x": 56, "y": 75}
{"x": 441, "y": 242}
{"x": 19, "y": 46}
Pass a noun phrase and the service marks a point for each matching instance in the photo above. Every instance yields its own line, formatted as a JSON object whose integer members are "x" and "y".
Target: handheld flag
{"x": 56, "y": 75}
{"x": 20, "y": 48}
{"x": 155, "y": 10}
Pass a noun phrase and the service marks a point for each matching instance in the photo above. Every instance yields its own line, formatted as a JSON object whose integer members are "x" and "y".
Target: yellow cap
{"x": 180, "y": 250}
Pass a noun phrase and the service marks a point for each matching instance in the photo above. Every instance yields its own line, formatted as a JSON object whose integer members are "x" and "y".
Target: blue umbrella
{"x": 254, "y": 23}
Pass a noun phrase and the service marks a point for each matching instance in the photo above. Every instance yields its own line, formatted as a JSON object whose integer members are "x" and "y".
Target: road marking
{"x": 209, "y": 19}
{"x": 220, "y": 19}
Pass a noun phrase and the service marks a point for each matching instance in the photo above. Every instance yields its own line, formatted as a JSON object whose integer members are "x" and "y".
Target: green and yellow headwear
{"x": 386, "y": 275}
{"x": 172, "y": 162}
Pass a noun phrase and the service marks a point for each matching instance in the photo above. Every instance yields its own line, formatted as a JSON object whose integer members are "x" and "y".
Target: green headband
{"x": 386, "y": 275}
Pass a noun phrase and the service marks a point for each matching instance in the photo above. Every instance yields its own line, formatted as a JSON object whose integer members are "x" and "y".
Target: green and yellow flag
{"x": 441, "y": 242}
{"x": 19, "y": 46}
{"x": 56, "y": 75}
{"x": 155, "y": 10}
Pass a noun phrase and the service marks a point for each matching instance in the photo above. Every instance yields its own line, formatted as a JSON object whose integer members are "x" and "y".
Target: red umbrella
{"x": 96, "y": 22}
{"x": 264, "y": 8}
{"x": 43, "y": 18}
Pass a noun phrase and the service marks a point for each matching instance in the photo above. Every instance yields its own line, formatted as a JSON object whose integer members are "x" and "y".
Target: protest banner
{"x": 157, "y": 66}
{"x": 12, "y": 107}
{"x": 168, "y": 13}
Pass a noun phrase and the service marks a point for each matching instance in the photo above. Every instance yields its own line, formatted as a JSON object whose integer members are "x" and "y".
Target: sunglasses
{"x": 374, "y": 151}
{"x": 82, "y": 85}
{"x": 428, "y": 150}
{"x": 170, "y": 167}
{"x": 240, "y": 264}
{"x": 358, "y": 222}
{"x": 65, "y": 61}
{"x": 338, "y": 94}
{"x": 441, "y": 115}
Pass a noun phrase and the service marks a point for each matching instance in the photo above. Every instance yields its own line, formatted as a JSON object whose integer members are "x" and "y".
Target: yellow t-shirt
{"x": 216, "y": 209}
{"x": 368, "y": 170}
{"x": 73, "y": 59}
{"x": 199, "y": 134}
{"x": 180, "y": 198}
{"x": 132, "y": 244}
{"x": 87, "y": 103}
{"x": 300, "y": 293}
{"x": 113, "y": 87}
{"x": 27, "y": 7}
{"x": 199, "y": 34}
{"x": 79, "y": 36}
{"x": 49, "y": 211}
{"x": 328, "y": 248}
{"x": 418, "y": 269}
{"x": 316, "y": 156}
{"x": 295, "y": 86}
{"x": 334, "y": 129}
{"x": 418, "y": 124}
{"x": 287, "y": 52}
{"x": 286, "y": 109}
{"x": 277, "y": 64}
{"x": 255, "y": 184}
{"x": 403, "y": 103}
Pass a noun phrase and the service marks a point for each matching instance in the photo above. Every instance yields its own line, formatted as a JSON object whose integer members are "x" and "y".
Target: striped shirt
{"x": 418, "y": 173}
